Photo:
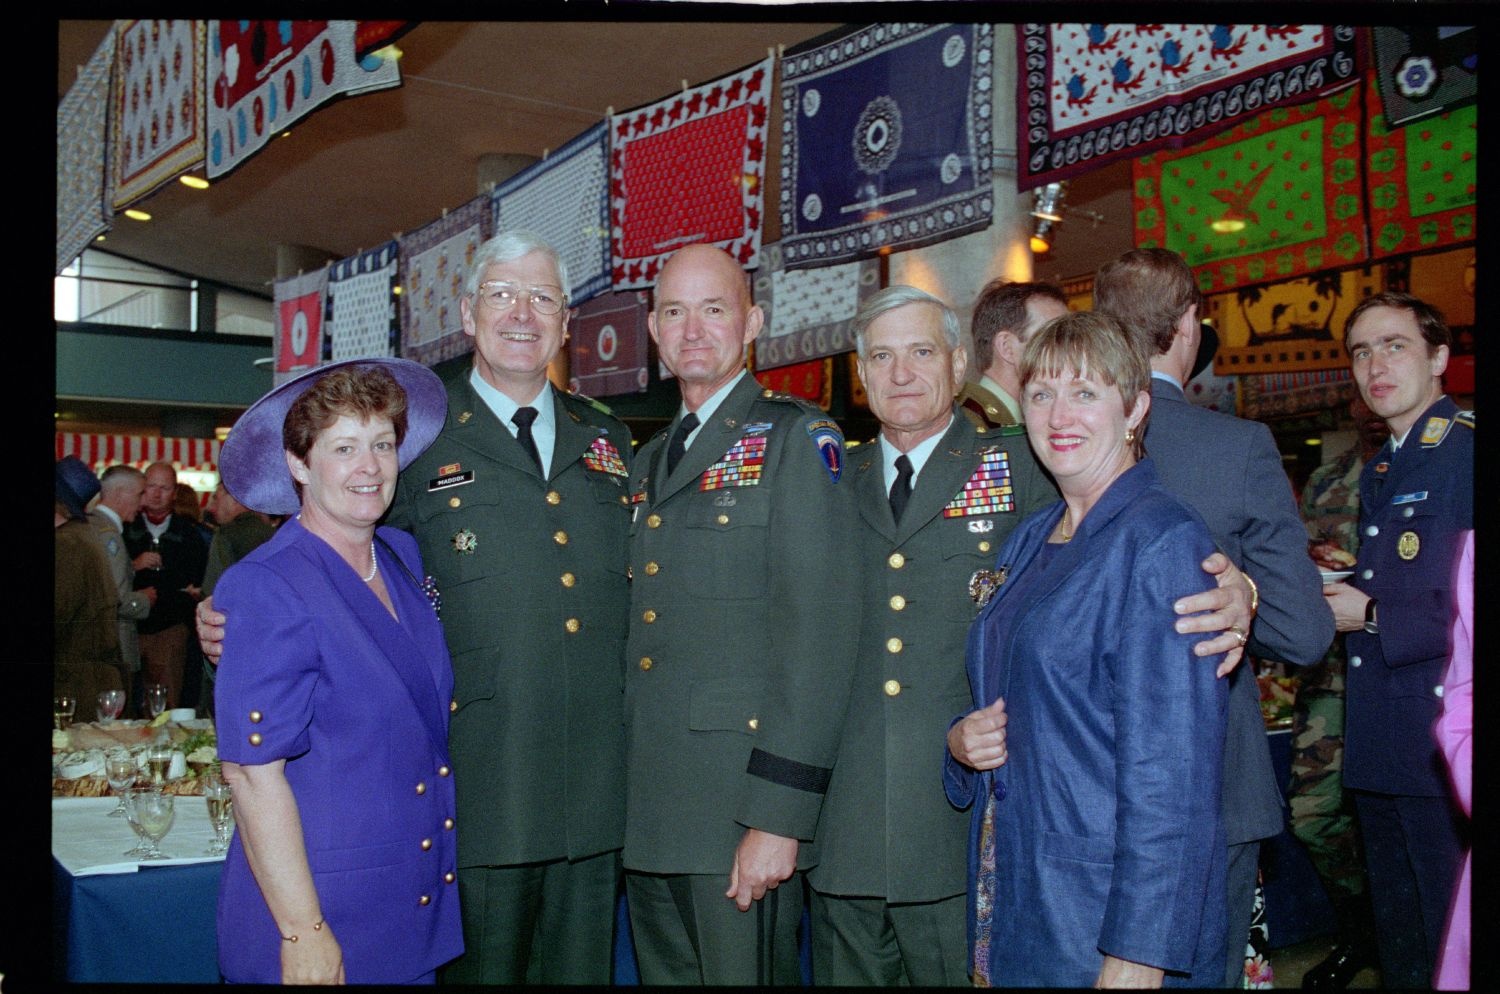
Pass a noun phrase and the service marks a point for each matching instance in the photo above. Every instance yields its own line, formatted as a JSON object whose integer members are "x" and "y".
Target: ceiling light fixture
{"x": 1047, "y": 210}
{"x": 194, "y": 182}
{"x": 137, "y": 215}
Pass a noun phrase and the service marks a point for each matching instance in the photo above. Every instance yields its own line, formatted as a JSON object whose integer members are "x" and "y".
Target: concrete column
{"x": 957, "y": 269}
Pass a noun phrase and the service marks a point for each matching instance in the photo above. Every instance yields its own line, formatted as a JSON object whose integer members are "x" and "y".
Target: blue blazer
{"x": 1107, "y": 828}
{"x": 1229, "y": 471}
{"x": 316, "y": 672}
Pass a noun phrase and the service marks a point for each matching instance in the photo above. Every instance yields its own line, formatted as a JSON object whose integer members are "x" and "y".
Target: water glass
{"x": 111, "y": 703}
{"x": 120, "y": 772}
{"x": 158, "y": 762}
{"x": 132, "y": 796}
{"x": 220, "y": 812}
{"x": 156, "y": 698}
{"x": 153, "y": 811}
{"x": 63, "y": 708}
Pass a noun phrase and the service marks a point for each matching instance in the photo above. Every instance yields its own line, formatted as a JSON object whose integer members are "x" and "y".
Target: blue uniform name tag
{"x": 1411, "y": 498}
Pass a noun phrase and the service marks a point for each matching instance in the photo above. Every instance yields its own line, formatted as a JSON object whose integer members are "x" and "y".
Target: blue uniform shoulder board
{"x": 830, "y": 442}
{"x": 1465, "y": 418}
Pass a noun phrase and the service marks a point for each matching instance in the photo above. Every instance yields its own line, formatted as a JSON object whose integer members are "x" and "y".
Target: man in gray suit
{"x": 937, "y": 498}
{"x": 1230, "y": 471}
{"x": 120, "y": 492}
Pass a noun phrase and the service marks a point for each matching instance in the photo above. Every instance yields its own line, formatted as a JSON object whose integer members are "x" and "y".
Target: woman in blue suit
{"x": 1092, "y": 758}
{"x": 332, "y": 695}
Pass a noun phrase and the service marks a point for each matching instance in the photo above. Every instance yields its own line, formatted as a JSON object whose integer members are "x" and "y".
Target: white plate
{"x": 1334, "y": 576}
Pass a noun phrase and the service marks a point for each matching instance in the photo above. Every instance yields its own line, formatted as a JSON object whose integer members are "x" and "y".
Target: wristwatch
{"x": 1370, "y": 625}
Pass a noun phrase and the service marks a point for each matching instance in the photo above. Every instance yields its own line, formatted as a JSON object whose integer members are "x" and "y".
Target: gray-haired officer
{"x": 739, "y": 657}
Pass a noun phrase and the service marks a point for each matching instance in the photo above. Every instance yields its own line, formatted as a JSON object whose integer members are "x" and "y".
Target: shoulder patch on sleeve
{"x": 829, "y": 439}
{"x": 1465, "y": 418}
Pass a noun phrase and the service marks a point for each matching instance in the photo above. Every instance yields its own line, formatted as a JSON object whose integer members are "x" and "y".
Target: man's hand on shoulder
{"x": 210, "y": 624}
{"x": 1226, "y": 609}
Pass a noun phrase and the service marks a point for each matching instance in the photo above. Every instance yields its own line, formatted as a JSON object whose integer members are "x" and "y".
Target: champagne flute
{"x": 154, "y": 810}
{"x": 220, "y": 812}
{"x": 120, "y": 772}
{"x": 63, "y": 708}
{"x": 111, "y": 703}
{"x": 156, "y": 698}
{"x": 132, "y": 795}
{"x": 158, "y": 762}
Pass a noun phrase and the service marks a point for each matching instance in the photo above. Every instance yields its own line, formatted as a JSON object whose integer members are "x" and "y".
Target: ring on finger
{"x": 1239, "y": 633}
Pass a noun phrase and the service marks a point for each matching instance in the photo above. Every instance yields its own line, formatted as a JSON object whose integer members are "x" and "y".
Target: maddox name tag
{"x": 450, "y": 480}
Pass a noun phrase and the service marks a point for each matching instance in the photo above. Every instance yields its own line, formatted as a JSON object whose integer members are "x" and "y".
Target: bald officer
{"x": 739, "y": 656}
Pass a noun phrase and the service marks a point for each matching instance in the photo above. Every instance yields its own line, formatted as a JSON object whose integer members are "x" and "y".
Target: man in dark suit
{"x": 1006, "y": 315}
{"x": 520, "y": 511}
{"x": 1229, "y": 470}
{"x": 739, "y": 656}
{"x": 169, "y": 554}
{"x": 1416, "y": 499}
{"x": 937, "y": 499}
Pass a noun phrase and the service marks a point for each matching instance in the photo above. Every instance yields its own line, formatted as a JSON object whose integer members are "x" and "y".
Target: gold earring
{"x": 1129, "y": 436}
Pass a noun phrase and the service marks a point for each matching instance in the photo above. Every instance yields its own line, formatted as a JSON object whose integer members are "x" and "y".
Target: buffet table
{"x": 117, "y": 920}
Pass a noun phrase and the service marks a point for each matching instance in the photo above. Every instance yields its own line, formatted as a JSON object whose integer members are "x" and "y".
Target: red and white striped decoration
{"x": 102, "y": 451}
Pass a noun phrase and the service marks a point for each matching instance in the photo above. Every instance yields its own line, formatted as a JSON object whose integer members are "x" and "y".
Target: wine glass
{"x": 111, "y": 703}
{"x": 132, "y": 795}
{"x": 156, "y": 698}
{"x": 120, "y": 772}
{"x": 220, "y": 812}
{"x": 153, "y": 810}
{"x": 63, "y": 708}
{"x": 158, "y": 762}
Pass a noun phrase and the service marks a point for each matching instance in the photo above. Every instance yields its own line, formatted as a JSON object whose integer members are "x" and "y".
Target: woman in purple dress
{"x": 332, "y": 694}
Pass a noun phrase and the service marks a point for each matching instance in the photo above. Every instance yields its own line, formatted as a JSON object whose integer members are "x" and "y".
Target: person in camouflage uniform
{"x": 1322, "y": 817}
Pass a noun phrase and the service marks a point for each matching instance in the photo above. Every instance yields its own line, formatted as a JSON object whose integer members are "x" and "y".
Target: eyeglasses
{"x": 500, "y": 296}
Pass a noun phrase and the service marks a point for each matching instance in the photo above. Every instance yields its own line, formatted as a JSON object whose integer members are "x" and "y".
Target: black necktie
{"x": 678, "y": 445}
{"x": 522, "y": 419}
{"x": 901, "y": 489}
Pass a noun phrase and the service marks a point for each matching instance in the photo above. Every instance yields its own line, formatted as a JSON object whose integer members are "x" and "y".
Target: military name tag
{"x": 988, "y": 490}
{"x": 452, "y": 479}
{"x": 1410, "y": 498}
{"x": 739, "y": 467}
{"x": 1408, "y": 545}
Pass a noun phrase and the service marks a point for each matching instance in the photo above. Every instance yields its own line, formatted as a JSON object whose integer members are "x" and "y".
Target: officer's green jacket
{"x": 887, "y": 829}
{"x": 739, "y": 657}
{"x": 534, "y": 605}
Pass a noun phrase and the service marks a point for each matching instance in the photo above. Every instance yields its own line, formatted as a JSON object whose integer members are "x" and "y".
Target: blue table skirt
{"x": 152, "y": 926}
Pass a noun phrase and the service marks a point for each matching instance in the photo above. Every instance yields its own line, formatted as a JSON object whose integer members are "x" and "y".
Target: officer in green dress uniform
{"x": 521, "y": 511}
{"x": 1006, "y": 314}
{"x": 739, "y": 657}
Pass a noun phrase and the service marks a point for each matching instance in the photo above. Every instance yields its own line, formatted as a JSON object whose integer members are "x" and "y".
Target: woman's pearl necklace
{"x": 374, "y": 563}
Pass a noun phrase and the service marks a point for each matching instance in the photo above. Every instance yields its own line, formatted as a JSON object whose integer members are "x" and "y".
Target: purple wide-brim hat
{"x": 252, "y": 462}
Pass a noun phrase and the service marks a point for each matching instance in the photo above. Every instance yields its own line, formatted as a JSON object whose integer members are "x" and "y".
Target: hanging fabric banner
{"x": 361, "y": 309}
{"x": 299, "y": 303}
{"x": 370, "y": 36}
{"x": 689, "y": 168}
{"x": 1276, "y": 196}
{"x": 99, "y": 452}
{"x": 1093, "y": 93}
{"x": 268, "y": 74}
{"x": 83, "y": 203}
{"x": 885, "y": 141}
{"x": 1422, "y": 179}
{"x": 607, "y": 345}
{"x": 1425, "y": 70}
{"x": 565, "y": 199}
{"x": 1280, "y": 394}
{"x": 434, "y": 263}
{"x": 158, "y": 105}
{"x": 809, "y": 380}
{"x": 808, "y": 311}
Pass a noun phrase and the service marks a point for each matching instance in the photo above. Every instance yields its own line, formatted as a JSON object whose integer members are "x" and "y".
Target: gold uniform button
{"x": 426, "y": 844}
{"x": 554, "y": 498}
{"x": 424, "y": 901}
{"x": 984, "y": 547}
{"x": 255, "y": 717}
{"x": 455, "y": 502}
{"x": 723, "y": 519}
{"x": 448, "y": 877}
{"x": 255, "y": 738}
{"x": 568, "y": 579}
{"x": 572, "y": 625}
{"x": 754, "y": 723}
{"x": 898, "y": 603}
{"x": 649, "y": 616}
{"x": 421, "y": 788}
{"x": 645, "y": 662}
{"x": 443, "y": 771}
{"x": 893, "y": 645}
{"x": 653, "y": 521}
{"x": 452, "y": 705}
{"x": 767, "y": 393}
{"x": 624, "y": 500}
{"x": 560, "y": 537}
{"x": 447, "y": 824}
{"x": 892, "y": 688}
{"x": 897, "y": 560}
{"x": 652, "y": 569}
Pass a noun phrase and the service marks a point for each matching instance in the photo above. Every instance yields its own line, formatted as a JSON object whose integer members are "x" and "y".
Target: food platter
{"x": 78, "y": 754}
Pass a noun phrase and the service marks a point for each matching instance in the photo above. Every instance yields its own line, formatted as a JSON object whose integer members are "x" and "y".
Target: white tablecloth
{"x": 85, "y": 840}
